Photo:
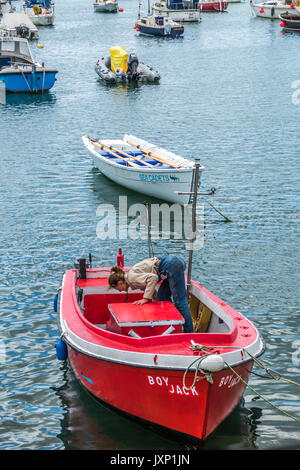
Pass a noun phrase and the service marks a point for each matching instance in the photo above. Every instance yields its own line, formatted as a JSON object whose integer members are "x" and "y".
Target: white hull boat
{"x": 144, "y": 167}
{"x": 110, "y": 6}
{"x": 183, "y": 15}
{"x": 41, "y": 13}
{"x": 19, "y": 25}
{"x": 6, "y": 7}
{"x": 271, "y": 9}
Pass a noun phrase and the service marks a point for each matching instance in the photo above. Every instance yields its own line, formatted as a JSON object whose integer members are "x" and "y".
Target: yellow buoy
{"x": 40, "y": 46}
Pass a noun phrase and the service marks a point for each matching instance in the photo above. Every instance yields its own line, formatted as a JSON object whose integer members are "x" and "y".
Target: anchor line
{"x": 199, "y": 347}
{"x": 26, "y": 81}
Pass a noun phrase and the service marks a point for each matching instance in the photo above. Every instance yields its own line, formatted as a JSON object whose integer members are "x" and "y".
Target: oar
{"x": 115, "y": 155}
{"x": 153, "y": 155}
{"x": 125, "y": 154}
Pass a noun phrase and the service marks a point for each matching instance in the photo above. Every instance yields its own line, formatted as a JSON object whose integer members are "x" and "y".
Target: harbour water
{"x": 228, "y": 95}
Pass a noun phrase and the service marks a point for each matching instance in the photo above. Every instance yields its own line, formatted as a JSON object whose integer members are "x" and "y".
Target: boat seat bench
{"x": 96, "y": 305}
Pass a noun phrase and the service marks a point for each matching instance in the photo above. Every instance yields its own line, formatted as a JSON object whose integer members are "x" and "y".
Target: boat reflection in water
{"x": 87, "y": 425}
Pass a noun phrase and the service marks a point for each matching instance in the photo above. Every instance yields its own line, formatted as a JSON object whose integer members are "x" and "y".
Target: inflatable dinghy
{"x": 120, "y": 66}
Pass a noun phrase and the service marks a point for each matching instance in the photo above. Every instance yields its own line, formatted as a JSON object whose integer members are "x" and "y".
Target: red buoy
{"x": 121, "y": 9}
{"x": 282, "y": 24}
{"x": 292, "y": 5}
{"x": 261, "y": 10}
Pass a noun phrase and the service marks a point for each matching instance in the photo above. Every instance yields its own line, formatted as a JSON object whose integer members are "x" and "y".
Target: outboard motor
{"x": 132, "y": 63}
{"x": 23, "y": 31}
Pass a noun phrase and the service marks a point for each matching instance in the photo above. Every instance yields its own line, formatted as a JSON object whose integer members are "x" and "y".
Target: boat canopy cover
{"x": 182, "y": 4}
{"x": 118, "y": 57}
{"x": 42, "y": 3}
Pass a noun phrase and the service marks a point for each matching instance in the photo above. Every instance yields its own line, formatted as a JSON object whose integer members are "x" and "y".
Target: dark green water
{"x": 226, "y": 96}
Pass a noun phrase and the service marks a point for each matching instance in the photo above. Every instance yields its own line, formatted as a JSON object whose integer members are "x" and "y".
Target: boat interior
{"x": 99, "y": 304}
{"x": 124, "y": 154}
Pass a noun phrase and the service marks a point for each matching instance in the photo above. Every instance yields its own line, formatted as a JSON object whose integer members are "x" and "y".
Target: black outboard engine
{"x": 23, "y": 31}
{"x": 132, "y": 63}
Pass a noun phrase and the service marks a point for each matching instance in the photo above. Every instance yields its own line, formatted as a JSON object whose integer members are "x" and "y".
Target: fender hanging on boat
{"x": 61, "y": 350}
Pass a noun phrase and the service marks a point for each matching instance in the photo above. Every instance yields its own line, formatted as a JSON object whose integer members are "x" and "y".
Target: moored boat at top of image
{"x": 181, "y": 11}
{"x": 41, "y": 12}
{"x": 136, "y": 358}
{"x": 214, "y": 6}
{"x": 272, "y": 9}
{"x": 154, "y": 25}
{"x": 161, "y": 26}
{"x": 6, "y": 6}
{"x": 144, "y": 167}
{"x": 108, "y": 6}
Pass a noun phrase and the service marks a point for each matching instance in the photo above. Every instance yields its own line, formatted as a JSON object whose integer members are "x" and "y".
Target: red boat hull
{"x": 213, "y": 6}
{"x": 158, "y": 396}
{"x": 151, "y": 375}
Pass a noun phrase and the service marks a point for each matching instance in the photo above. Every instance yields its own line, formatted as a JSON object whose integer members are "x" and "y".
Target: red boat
{"x": 137, "y": 359}
{"x": 205, "y": 5}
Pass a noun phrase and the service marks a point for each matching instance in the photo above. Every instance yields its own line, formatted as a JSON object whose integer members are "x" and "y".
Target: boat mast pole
{"x": 148, "y": 228}
{"x": 194, "y": 213}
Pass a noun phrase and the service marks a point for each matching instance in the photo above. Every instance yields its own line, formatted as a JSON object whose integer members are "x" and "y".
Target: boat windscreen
{"x": 24, "y": 49}
{"x": 8, "y": 46}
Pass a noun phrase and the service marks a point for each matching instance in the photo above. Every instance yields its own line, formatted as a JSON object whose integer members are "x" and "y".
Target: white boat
{"x": 40, "y": 12}
{"x": 6, "y": 7}
{"x": 272, "y": 9}
{"x": 188, "y": 12}
{"x": 143, "y": 167}
{"x": 18, "y": 25}
{"x": 110, "y": 6}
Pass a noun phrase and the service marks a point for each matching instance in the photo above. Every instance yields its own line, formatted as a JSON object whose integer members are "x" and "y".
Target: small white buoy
{"x": 213, "y": 363}
{"x": 40, "y": 46}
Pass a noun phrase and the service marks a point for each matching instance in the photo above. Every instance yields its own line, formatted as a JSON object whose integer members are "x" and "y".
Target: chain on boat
{"x": 208, "y": 376}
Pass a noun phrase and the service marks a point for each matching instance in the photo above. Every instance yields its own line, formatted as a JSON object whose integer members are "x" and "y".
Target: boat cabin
{"x": 14, "y": 50}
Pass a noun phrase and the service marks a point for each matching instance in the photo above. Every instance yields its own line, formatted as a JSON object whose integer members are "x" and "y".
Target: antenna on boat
{"x": 148, "y": 228}
{"x": 82, "y": 268}
{"x": 194, "y": 212}
{"x": 148, "y": 7}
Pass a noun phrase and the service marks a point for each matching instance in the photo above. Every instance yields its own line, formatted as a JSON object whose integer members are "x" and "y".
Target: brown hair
{"x": 116, "y": 274}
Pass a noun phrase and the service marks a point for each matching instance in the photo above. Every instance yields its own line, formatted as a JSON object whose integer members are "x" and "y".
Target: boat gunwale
{"x": 135, "y": 348}
{"x": 87, "y": 142}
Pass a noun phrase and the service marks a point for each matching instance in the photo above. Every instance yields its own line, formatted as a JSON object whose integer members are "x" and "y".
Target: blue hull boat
{"x": 18, "y": 70}
{"x": 29, "y": 80}
{"x": 159, "y": 26}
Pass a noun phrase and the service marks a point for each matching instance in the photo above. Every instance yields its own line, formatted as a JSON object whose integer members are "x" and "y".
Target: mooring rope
{"x": 206, "y": 349}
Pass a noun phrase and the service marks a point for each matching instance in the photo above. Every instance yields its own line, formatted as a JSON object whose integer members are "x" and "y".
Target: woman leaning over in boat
{"x": 145, "y": 275}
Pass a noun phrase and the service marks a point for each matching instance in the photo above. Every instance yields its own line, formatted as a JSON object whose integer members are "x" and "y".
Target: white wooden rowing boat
{"x": 143, "y": 167}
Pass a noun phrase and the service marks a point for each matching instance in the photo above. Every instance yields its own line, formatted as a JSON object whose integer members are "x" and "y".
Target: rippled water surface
{"x": 225, "y": 96}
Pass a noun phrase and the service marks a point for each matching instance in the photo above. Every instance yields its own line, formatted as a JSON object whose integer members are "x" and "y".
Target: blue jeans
{"x": 171, "y": 270}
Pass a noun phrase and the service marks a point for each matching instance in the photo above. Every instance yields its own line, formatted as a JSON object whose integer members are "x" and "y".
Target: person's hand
{"x": 141, "y": 302}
